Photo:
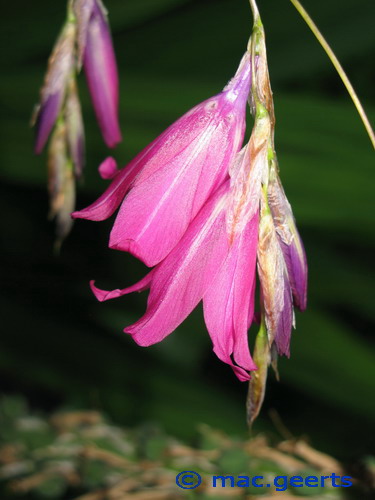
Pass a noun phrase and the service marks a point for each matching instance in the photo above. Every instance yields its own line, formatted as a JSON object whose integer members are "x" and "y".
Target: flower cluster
{"x": 208, "y": 216}
{"x": 85, "y": 40}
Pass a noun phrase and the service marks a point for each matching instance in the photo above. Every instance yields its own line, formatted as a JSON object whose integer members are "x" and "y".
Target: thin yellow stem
{"x": 349, "y": 87}
{"x": 254, "y": 9}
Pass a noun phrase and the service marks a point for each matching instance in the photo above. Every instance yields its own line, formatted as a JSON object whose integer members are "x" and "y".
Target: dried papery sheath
{"x": 96, "y": 53}
{"x": 57, "y": 160}
{"x": 61, "y": 182}
{"x": 74, "y": 128}
{"x": 257, "y": 384}
{"x": 60, "y": 66}
{"x": 289, "y": 239}
{"x": 274, "y": 280}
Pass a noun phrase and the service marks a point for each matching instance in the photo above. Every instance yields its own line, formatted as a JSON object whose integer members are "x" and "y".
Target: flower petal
{"x": 229, "y": 302}
{"x": 108, "y": 168}
{"x": 180, "y": 281}
{"x": 147, "y": 161}
{"x": 103, "y": 295}
{"x": 157, "y": 211}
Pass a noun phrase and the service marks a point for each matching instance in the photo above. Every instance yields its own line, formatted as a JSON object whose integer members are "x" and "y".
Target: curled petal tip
{"x": 108, "y": 168}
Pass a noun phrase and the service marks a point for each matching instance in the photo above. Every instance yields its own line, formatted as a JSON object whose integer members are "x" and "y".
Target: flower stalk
{"x": 338, "y": 67}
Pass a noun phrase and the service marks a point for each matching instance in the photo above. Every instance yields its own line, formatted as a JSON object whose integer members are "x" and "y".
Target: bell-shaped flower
{"x": 168, "y": 182}
{"x": 99, "y": 62}
{"x": 60, "y": 67}
{"x": 215, "y": 260}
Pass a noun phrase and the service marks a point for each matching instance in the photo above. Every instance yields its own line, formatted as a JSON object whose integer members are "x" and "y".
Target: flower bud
{"x": 95, "y": 51}
{"x": 61, "y": 182}
{"x": 289, "y": 239}
{"x": 275, "y": 287}
{"x": 60, "y": 66}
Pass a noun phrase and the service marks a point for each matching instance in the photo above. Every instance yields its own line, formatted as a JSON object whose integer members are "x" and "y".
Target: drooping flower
{"x": 168, "y": 182}
{"x": 95, "y": 51}
{"x": 214, "y": 261}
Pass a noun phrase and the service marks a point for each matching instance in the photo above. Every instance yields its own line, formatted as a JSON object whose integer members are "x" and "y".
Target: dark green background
{"x": 60, "y": 347}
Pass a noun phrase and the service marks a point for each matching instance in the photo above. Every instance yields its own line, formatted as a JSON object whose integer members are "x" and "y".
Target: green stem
{"x": 349, "y": 87}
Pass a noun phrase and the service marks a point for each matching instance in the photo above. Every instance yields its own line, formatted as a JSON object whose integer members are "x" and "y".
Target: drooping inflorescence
{"x": 210, "y": 216}
{"x": 85, "y": 40}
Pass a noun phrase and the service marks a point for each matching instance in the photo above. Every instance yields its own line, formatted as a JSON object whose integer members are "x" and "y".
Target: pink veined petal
{"x": 157, "y": 212}
{"x": 108, "y": 168}
{"x": 159, "y": 152}
{"x": 103, "y": 295}
{"x": 171, "y": 180}
{"x": 229, "y": 302}
{"x": 179, "y": 281}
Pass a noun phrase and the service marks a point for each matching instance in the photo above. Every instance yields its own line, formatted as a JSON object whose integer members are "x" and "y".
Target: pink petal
{"x": 172, "y": 178}
{"x": 229, "y": 302}
{"x": 103, "y": 295}
{"x": 180, "y": 281}
{"x": 157, "y": 211}
{"x": 165, "y": 146}
{"x": 108, "y": 168}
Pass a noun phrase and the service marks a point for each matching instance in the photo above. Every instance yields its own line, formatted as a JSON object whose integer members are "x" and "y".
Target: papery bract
{"x": 60, "y": 66}
{"x": 181, "y": 168}
{"x": 74, "y": 128}
{"x": 290, "y": 241}
{"x": 276, "y": 293}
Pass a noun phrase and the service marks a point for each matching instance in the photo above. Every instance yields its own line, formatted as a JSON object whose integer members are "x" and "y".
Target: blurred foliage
{"x": 81, "y": 455}
{"x": 59, "y": 346}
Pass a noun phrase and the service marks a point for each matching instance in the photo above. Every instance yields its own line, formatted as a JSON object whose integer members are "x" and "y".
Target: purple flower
{"x": 99, "y": 62}
{"x": 163, "y": 188}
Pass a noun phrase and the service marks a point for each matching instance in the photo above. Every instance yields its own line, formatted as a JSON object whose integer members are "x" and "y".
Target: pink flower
{"x": 215, "y": 260}
{"x": 164, "y": 187}
{"x": 99, "y": 62}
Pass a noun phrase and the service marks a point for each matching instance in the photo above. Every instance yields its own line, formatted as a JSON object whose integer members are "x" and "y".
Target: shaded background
{"x": 59, "y": 347}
